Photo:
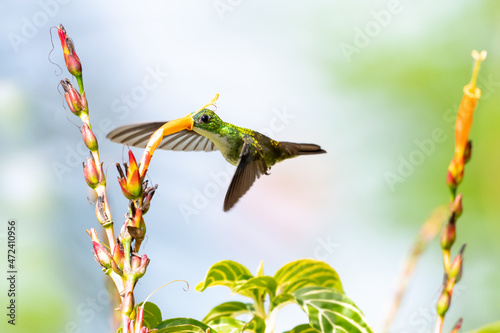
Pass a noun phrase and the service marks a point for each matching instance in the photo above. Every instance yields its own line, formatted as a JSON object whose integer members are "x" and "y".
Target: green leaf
{"x": 489, "y": 328}
{"x": 152, "y": 315}
{"x": 256, "y": 325}
{"x": 306, "y": 272}
{"x": 227, "y": 325}
{"x": 120, "y": 330}
{"x": 330, "y": 310}
{"x": 182, "y": 325}
{"x": 181, "y": 329}
{"x": 228, "y": 309}
{"x": 281, "y": 300}
{"x": 262, "y": 283}
{"x": 223, "y": 273}
{"x": 304, "y": 328}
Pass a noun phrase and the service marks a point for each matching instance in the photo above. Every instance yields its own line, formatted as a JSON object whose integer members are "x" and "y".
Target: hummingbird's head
{"x": 206, "y": 120}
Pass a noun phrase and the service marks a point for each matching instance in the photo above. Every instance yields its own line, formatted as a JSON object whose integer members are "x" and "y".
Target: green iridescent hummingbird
{"x": 252, "y": 152}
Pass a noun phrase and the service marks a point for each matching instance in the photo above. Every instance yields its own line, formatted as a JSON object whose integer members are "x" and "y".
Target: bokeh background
{"x": 368, "y": 80}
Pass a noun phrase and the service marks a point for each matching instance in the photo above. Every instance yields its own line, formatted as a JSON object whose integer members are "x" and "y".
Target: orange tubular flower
{"x": 463, "y": 124}
{"x": 72, "y": 61}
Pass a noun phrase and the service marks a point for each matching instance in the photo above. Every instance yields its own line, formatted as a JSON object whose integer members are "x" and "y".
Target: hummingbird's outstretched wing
{"x": 251, "y": 166}
{"x": 137, "y": 135}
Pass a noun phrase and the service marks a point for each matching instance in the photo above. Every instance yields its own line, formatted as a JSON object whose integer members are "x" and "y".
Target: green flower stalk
{"x": 120, "y": 260}
{"x": 463, "y": 150}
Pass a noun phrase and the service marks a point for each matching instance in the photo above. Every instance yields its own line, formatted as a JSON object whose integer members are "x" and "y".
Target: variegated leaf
{"x": 228, "y": 309}
{"x": 256, "y": 325}
{"x": 306, "y": 272}
{"x": 331, "y": 311}
{"x": 281, "y": 300}
{"x": 182, "y": 325}
{"x": 223, "y": 273}
{"x": 262, "y": 283}
{"x": 227, "y": 325}
{"x": 304, "y": 328}
{"x": 185, "y": 328}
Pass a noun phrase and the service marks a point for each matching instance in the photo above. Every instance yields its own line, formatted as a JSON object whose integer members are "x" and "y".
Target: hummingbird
{"x": 251, "y": 152}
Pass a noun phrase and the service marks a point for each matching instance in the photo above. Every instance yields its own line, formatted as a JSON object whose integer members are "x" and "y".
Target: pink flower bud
{"x": 456, "y": 206}
{"x": 90, "y": 172}
{"x": 448, "y": 234}
{"x": 77, "y": 104}
{"x": 443, "y": 303}
{"x": 100, "y": 252}
{"x": 458, "y": 325}
{"x": 89, "y": 138}
{"x": 72, "y": 61}
{"x": 456, "y": 266}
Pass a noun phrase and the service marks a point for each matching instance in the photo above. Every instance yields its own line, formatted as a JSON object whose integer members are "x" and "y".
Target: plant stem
{"x": 427, "y": 233}
{"x": 439, "y": 325}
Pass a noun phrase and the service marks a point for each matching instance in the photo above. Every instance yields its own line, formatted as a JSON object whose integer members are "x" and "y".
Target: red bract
{"x": 131, "y": 185}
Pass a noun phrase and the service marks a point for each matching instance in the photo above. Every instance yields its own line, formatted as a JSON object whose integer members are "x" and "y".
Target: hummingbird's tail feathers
{"x": 137, "y": 135}
{"x": 295, "y": 149}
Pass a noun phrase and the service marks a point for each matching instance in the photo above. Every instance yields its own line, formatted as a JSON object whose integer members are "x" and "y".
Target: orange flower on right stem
{"x": 462, "y": 128}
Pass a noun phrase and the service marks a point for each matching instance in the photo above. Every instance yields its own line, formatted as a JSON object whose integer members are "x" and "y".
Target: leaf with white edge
{"x": 227, "y": 325}
{"x": 152, "y": 315}
{"x": 489, "y": 328}
{"x": 262, "y": 283}
{"x": 306, "y": 272}
{"x": 281, "y": 300}
{"x": 256, "y": 325}
{"x": 228, "y": 309}
{"x": 186, "y": 328}
{"x": 304, "y": 328}
{"x": 331, "y": 311}
{"x": 182, "y": 325}
{"x": 223, "y": 273}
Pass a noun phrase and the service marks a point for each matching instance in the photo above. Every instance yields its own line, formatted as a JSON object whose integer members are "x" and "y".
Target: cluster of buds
{"x": 119, "y": 261}
{"x": 463, "y": 150}
{"x": 124, "y": 274}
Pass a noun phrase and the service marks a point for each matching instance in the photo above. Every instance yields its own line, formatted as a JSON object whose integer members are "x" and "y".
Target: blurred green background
{"x": 368, "y": 80}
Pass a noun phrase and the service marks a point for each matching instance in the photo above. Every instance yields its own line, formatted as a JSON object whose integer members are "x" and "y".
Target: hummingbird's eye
{"x": 204, "y": 118}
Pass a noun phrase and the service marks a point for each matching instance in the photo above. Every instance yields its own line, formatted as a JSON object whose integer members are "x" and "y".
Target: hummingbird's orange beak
{"x": 178, "y": 125}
